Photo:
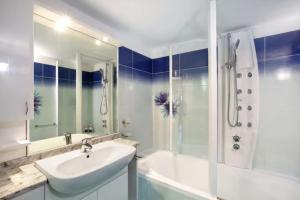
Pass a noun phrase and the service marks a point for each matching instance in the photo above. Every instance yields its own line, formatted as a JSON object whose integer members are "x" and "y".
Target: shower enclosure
{"x": 180, "y": 123}
{"x": 238, "y": 121}
{"x": 258, "y": 113}
{"x": 189, "y": 117}
{"x": 179, "y": 168}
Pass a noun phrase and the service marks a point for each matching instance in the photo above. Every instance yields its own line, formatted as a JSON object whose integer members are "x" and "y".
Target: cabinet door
{"x": 36, "y": 194}
{"x": 115, "y": 190}
{"x": 93, "y": 196}
{"x": 16, "y": 60}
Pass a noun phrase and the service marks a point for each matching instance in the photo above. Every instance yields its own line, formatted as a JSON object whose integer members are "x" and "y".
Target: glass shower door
{"x": 190, "y": 101}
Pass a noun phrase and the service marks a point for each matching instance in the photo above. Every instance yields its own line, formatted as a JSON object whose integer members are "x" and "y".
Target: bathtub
{"x": 254, "y": 184}
{"x": 164, "y": 175}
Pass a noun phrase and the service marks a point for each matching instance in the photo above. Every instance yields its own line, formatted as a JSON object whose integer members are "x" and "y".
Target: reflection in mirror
{"x": 75, "y": 87}
{"x": 97, "y": 90}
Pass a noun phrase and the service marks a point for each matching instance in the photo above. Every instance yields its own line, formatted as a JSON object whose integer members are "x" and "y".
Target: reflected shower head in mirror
{"x": 103, "y": 75}
{"x": 236, "y": 45}
{"x": 103, "y": 103}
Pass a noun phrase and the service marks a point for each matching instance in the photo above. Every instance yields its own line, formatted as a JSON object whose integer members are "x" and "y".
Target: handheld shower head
{"x": 236, "y": 45}
{"x": 101, "y": 72}
{"x": 103, "y": 75}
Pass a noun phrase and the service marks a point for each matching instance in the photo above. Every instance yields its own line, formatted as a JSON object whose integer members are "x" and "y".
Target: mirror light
{"x": 62, "y": 23}
{"x": 98, "y": 42}
{"x": 3, "y": 67}
{"x": 105, "y": 39}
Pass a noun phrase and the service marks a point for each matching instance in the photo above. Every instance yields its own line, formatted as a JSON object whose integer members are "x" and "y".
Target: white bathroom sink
{"x": 74, "y": 172}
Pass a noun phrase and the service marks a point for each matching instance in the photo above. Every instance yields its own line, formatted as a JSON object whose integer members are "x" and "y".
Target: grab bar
{"x": 44, "y": 125}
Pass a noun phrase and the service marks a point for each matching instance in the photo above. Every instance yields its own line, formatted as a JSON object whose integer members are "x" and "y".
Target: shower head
{"x": 236, "y": 45}
{"x": 101, "y": 72}
{"x": 103, "y": 75}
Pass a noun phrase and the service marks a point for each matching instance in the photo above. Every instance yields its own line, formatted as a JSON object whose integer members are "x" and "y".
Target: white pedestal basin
{"x": 74, "y": 172}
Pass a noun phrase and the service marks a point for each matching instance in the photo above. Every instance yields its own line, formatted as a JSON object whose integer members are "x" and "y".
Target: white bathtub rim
{"x": 264, "y": 173}
{"x": 166, "y": 182}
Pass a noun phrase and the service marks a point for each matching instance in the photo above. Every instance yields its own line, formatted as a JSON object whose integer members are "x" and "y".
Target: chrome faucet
{"x": 68, "y": 137}
{"x": 86, "y": 145}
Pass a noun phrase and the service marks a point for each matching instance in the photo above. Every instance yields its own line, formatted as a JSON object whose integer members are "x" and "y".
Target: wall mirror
{"x": 75, "y": 86}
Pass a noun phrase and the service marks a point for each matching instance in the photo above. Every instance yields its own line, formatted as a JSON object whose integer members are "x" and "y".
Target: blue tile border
{"x": 260, "y": 48}
{"x": 134, "y": 60}
{"x": 284, "y": 44}
{"x": 192, "y": 59}
{"x": 38, "y": 69}
{"x": 91, "y": 79}
{"x": 49, "y": 71}
{"x": 125, "y": 72}
{"x": 278, "y": 52}
{"x": 160, "y": 77}
{"x": 142, "y": 62}
{"x": 134, "y": 74}
{"x": 72, "y": 74}
{"x": 161, "y": 64}
{"x": 49, "y": 81}
{"x": 275, "y": 51}
{"x": 141, "y": 76}
{"x": 125, "y": 56}
{"x": 66, "y": 73}
{"x": 282, "y": 63}
{"x": 63, "y": 73}
{"x": 38, "y": 80}
{"x": 66, "y": 83}
{"x": 187, "y": 60}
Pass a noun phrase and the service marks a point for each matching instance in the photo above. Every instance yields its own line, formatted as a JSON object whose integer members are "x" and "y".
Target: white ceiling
{"x": 155, "y": 24}
{"x": 235, "y": 14}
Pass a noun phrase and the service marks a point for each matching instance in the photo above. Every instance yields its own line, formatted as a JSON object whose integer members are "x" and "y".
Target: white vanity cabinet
{"x": 16, "y": 60}
{"x": 115, "y": 188}
{"x": 93, "y": 196}
{"x": 36, "y": 194}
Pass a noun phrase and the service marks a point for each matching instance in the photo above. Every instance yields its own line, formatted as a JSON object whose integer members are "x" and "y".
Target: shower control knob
{"x": 249, "y": 74}
{"x": 239, "y": 91}
{"x": 249, "y": 124}
{"x": 249, "y": 91}
{"x": 249, "y": 108}
{"x": 236, "y": 138}
{"x": 236, "y": 146}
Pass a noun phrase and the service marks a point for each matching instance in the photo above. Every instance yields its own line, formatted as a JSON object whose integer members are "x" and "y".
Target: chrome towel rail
{"x": 44, "y": 125}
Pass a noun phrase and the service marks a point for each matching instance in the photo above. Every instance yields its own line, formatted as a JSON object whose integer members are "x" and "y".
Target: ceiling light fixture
{"x": 62, "y": 23}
